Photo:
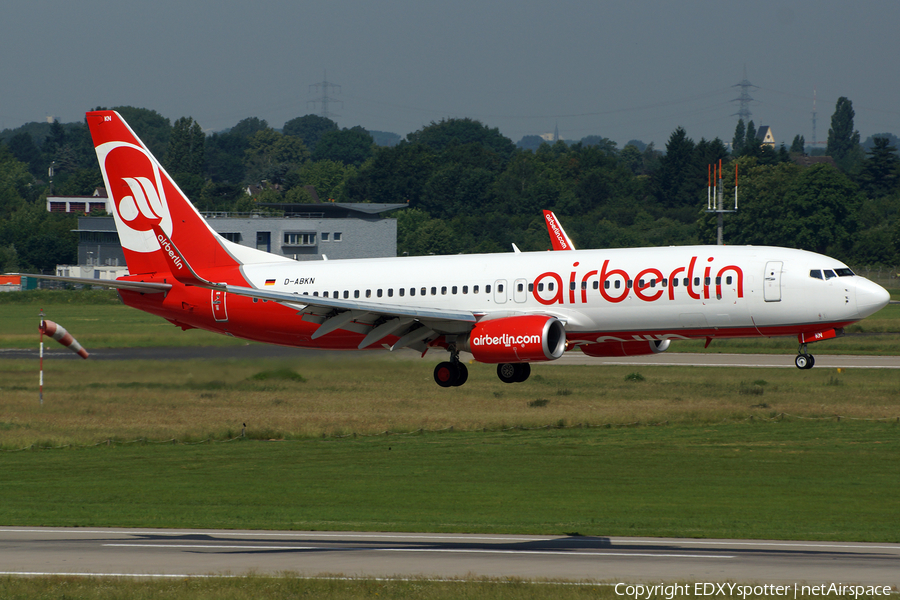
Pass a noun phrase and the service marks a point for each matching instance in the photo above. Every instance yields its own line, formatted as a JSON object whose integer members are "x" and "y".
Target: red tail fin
{"x": 144, "y": 196}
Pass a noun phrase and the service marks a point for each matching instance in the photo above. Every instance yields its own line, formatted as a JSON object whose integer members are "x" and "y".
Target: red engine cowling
{"x": 526, "y": 338}
{"x": 625, "y": 348}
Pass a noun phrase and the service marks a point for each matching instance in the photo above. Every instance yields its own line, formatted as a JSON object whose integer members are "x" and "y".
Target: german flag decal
{"x": 270, "y": 282}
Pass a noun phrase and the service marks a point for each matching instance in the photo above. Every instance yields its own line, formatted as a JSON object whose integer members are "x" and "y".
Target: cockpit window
{"x": 815, "y": 273}
{"x": 829, "y": 274}
{"x": 844, "y": 272}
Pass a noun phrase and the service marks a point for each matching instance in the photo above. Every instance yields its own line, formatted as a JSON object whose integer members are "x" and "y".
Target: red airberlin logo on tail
{"x": 135, "y": 186}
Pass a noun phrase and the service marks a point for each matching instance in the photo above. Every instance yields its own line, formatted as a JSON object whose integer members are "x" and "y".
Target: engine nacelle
{"x": 526, "y": 338}
{"x": 625, "y": 348}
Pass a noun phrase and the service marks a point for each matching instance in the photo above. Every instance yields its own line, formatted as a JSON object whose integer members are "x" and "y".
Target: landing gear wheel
{"x": 805, "y": 361}
{"x": 524, "y": 372}
{"x": 507, "y": 372}
{"x": 463, "y": 375}
{"x": 446, "y": 374}
{"x": 513, "y": 372}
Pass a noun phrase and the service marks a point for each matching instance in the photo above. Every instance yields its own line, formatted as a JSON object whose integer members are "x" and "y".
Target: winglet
{"x": 178, "y": 265}
{"x": 558, "y": 236}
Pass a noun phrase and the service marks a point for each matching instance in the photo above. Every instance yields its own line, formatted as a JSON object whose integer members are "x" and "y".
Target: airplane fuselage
{"x": 678, "y": 292}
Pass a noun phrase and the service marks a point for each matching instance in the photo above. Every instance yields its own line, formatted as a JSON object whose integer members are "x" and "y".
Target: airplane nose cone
{"x": 870, "y": 297}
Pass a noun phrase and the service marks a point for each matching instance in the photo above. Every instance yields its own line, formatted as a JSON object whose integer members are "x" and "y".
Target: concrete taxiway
{"x": 171, "y": 553}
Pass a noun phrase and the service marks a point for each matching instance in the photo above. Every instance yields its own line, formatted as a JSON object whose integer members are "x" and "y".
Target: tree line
{"x": 471, "y": 189}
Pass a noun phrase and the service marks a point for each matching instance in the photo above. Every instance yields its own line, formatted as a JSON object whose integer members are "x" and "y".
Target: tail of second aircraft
{"x": 144, "y": 196}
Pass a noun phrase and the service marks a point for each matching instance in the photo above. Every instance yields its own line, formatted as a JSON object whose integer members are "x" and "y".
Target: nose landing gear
{"x": 804, "y": 360}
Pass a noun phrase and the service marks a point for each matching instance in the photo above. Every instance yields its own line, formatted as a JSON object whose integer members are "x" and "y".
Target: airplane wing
{"x": 134, "y": 286}
{"x": 335, "y": 313}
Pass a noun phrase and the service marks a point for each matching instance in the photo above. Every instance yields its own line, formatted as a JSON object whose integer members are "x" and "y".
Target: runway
{"x": 171, "y": 553}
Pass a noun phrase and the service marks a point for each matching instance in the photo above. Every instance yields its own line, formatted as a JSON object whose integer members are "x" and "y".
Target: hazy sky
{"x": 625, "y": 70}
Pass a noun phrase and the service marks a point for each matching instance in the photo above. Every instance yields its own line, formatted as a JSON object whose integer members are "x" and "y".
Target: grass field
{"x": 264, "y": 588}
{"x": 655, "y": 451}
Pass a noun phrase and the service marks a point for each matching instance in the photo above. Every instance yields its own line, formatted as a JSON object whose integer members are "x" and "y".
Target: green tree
{"x": 310, "y": 129}
{"x": 439, "y": 136}
{"x": 798, "y": 146}
{"x": 678, "y": 181}
{"x": 186, "y": 147}
{"x": 349, "y": 146}
{"x": 880, "y": 170}
{"x": 24, "y": 149}
{"x": 271, "y": 155}
{"x": 393, "y": 174}
{"x": 14, "y": 183}
{"x": 739, "y": 139}
{"x": 843, "y": 140}
{"x": 248, "y": 127}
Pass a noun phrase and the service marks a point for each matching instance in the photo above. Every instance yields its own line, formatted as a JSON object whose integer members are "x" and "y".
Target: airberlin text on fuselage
{"x": 687, "y": 277}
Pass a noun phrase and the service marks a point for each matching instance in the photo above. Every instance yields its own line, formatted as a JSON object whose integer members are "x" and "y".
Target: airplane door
{"x": 220, "y": 313}
{"x": 772, "y": 281}
{"x": 520, "y": 290}
{"x": 500, "y": 291}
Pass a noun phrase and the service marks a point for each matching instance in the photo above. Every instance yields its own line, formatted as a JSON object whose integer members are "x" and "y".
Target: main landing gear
{"x": 804, "y": 360}
{"x": 513, "y": 372}
{"x": 451, "y": 373}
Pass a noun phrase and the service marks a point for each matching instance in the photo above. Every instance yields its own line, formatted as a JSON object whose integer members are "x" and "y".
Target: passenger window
{"x": 618, "y": 284}
{"x": 596, "y": 285}
{"x": 453, "y": 290}
{"x": 520, "y": 287}
{"x": 706, "y": 280}
{"x": 571, "y": 285}
{"x": 628, "y": 284}
{"x": 718, "y": 281}
{"x": 474, "y": 289}
{"x": 728, "y": 280}
{"x": 347, "y": 294}
{"x": 412, "y": 291}
{"x": 324, "y": 294}
{"x": 402, "y": 292}
{"x": 665, "y": 282}
{"x": 530, "y": 287}
{"x": 356, "y": 293}
{"x": 549, "y": 286}
{"x": 652, "y": 283}
{"x": 675, "y": 282}
{"x": 816, "y": 273}
{"x": 829, "y": 274}
{"x": 378, "y": 293}
{"x": 423, "y": 291}
{"x": 540, "y": 287}
{"x": 606, "y": 284}
{"x": 391, "y": 292}
{"x": 500, "y": 288}
{"x": 465, "y": 289}
{"x": 314, "y": 294}
{"x": 487, "y": 289}
{"x": 640, "y": 283}
{"x": 687, "y": 282}
{"x": 697, "y": 281}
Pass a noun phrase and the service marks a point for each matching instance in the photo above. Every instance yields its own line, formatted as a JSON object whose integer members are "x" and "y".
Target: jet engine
{"x": 635, "y": 348}
{"x": 525, "y": 338}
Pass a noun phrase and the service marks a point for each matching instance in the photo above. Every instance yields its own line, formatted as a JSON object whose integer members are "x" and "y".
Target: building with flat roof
{"x": 298, "y": 231}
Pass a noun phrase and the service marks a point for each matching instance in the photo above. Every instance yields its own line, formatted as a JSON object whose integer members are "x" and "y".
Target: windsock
{"x": 59, "y": 333}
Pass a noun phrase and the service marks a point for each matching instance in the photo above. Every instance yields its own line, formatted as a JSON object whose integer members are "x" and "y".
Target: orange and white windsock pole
{"x": 59, "y": 333}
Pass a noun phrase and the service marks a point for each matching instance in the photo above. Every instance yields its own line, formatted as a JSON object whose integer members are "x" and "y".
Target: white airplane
{"x": 508, "y": 309}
